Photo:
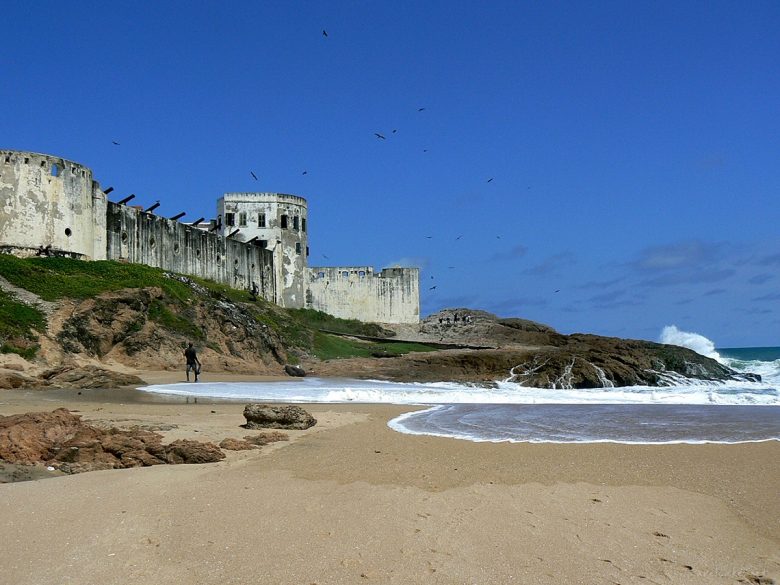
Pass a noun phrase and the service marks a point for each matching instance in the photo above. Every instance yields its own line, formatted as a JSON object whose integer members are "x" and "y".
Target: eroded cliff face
{"x": 100, "y": 342}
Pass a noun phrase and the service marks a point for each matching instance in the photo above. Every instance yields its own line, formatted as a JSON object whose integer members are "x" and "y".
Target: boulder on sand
{"x": 295, "y": 371}
{"x": 268, "y": 416}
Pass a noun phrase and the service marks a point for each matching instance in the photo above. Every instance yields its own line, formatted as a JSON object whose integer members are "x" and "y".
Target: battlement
{"x": 258, "y": 241}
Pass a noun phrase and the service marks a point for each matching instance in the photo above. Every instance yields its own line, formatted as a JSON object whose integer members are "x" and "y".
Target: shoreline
{"x": 353, "y": 501}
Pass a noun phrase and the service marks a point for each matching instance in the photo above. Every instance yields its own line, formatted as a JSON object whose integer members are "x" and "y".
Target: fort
{"x": 258, "y": 241}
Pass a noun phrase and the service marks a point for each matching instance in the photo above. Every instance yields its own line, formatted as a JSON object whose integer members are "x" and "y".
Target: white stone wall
{"x": 279, "y": 222}
{"x": 357, "y": 292}
{"x": 50, "y": 202}
{"x": 144, "y": 238}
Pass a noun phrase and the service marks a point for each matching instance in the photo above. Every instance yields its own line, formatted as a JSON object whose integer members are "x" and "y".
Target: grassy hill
{"x": 178, "y": 311}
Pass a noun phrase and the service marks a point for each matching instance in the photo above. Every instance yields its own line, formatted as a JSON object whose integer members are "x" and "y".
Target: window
{"x": 230, "y": 219}
{"x": 242, "y": 219}
{"x": 297, "y": 247}
{"x": 284, "y": 222}
{"x": 362, "y": 273}
{"x": 303, "y": 224}
{"x": 263, "y": 243}
{"x": 320, "y": 275}
{"x": 307, "y": 251}
{"x": 55, "y": 170}
{"x": 345, "y": 274}
{"x": 261, "y": 220}
{"x": 295, "y": 223}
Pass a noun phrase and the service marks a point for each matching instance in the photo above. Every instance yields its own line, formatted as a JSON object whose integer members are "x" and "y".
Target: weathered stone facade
{"x": 52, "y": 206}
{"x": 357, "y": 292}
{"x": 275, "y": 222}
{"x": 50, "y": 201}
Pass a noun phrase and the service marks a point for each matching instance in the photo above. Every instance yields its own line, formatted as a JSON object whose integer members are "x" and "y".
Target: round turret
{"x": 50, "y": 206}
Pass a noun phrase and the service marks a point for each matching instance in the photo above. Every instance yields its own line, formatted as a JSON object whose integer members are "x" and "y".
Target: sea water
{"x": 691, "y": 411}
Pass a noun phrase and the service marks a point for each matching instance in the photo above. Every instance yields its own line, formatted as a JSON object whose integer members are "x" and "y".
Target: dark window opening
{"x": 263, "y": 243}
{"x": 303, "y": 224}
{"x": 176, "y": 248}
{"x": 320, "y": 275}
{"x": 219, "y": 222}
{"x": 261, "y": 220}
{"x": 297, "y": 247}
{"x": 68, "y": 232}
{"x": 345, "y": 274}
{"x": 55, "y": 170}
{"x": 307, "y": 251}
{"x": 284, "y": 222}
{"x": 295, "y": 223}
{"x": 230, "y": 219}
{"x": 26, "y": 161}
{"x": 242, "y": 219}
{"x": 43, "y": 163}
{"x": 362, "y": 274}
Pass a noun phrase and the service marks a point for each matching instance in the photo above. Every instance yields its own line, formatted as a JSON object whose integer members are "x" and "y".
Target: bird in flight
{"x": 394, "y": 131}
{"x": 254, "y": 176}
{"x": 459, "y": 237}
{"x": 420, "y": 109}
{"x": 425, "y": 150}
{"x": 428, "y": 237}
{"x": 490, "y": 180}
{"x": 433, "y": 287}
{"x": 324, "y": 33}
{"x": 326, "y": 258}
{"x": 115, "y": 143}
{"x": 378, "y": 135}
{"x": 305, "y": 173}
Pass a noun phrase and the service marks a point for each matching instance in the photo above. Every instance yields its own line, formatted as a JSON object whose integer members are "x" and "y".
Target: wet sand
{"x": 351, "y": 501}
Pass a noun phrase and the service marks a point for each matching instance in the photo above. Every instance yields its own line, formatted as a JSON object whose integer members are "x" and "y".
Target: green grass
{"x": 318, "y": 320}
{"x": 27, "y": 353}
{"x": 17, "y": 322}
{"x": 163, "y": 316}
{"x": 328, "y": 347}
{"x": 56, "y": 278}
{"x": 17, "y": 319}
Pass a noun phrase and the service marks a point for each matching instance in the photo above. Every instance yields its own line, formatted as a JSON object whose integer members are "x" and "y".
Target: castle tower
{"x": 50, "y": 204}
{"x": 276, "y": 222}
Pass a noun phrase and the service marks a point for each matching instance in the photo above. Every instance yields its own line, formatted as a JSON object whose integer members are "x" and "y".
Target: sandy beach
{"x": 352, "y": 501}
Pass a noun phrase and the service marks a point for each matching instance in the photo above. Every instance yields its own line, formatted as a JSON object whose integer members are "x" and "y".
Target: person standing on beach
{"x": 193, "y": 363}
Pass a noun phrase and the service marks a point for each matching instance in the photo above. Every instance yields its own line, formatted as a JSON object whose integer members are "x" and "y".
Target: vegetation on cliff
{"x": 141, "y": 317}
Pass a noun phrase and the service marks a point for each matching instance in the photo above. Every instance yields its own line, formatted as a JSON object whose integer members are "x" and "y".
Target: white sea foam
{"x": 698, "y": 343}
{"x": 374, "y": 391}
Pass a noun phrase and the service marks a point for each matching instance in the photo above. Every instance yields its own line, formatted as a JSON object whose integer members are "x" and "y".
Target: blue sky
{"x": 633, "y": 147}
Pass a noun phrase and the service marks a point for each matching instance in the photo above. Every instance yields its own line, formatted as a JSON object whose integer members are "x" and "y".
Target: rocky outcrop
{"x": 268, "y": 416}
{"x": 579, "y": 361}
{"x": 295, "y": 371}
{"x": 144, "y": 329}
{"x": 61, "y": 440}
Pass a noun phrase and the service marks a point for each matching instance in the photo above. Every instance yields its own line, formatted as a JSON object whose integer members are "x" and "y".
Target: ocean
{"x": 690, "y": 412}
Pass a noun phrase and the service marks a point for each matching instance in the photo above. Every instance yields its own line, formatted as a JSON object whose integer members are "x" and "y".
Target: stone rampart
{"x": 357, "y": 292}
{"x": 50, "y": 204}
{"x": 144, "y": 238}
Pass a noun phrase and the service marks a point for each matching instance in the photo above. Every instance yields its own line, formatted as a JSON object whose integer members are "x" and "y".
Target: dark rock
{"x": 186, "y": 451}
{"x": 267, "y": 416}
{"x": 60, "y": 439}
{"x": 296, "y": 371}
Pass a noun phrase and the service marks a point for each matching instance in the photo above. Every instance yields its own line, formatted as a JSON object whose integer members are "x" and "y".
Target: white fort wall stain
{"x": 52, "y": 206}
